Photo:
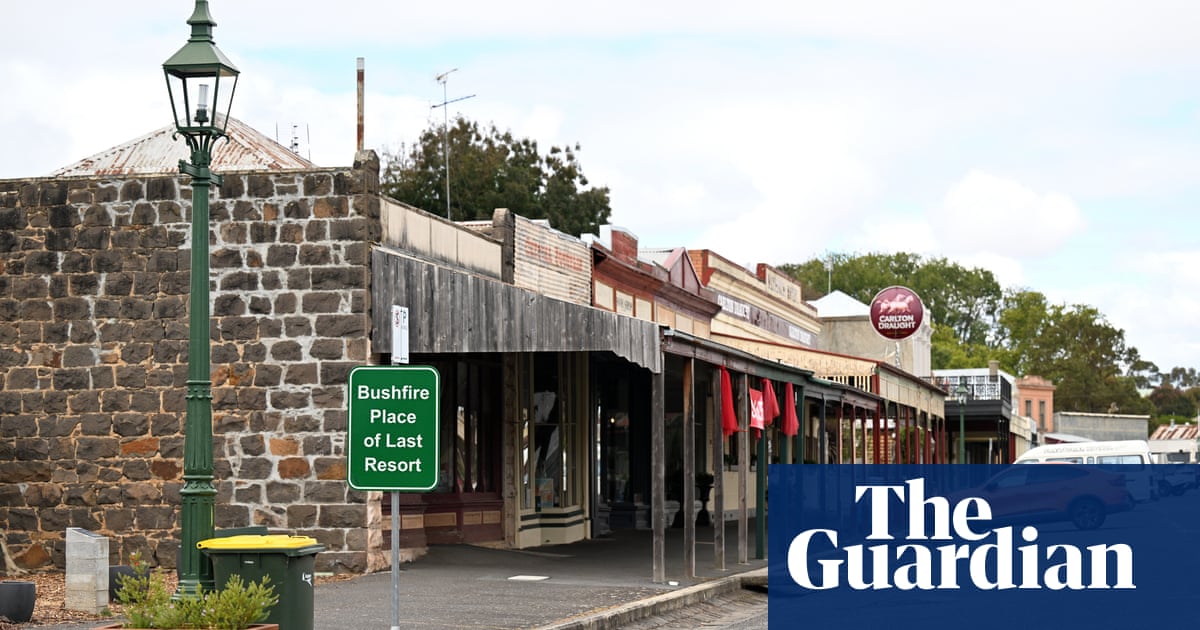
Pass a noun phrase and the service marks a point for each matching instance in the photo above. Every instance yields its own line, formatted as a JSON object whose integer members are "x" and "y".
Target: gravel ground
{"x": 49, "y": 608}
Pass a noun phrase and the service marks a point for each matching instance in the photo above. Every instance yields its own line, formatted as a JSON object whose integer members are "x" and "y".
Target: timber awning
{"x": 455, "y": 311}
{"x": 835, "y": 392}
{"x": 682, "y": 344}
{"x": 685, "y": 345}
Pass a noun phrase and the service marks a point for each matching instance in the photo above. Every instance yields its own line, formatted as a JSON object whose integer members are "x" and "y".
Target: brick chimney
{"x": 624, "y": 245}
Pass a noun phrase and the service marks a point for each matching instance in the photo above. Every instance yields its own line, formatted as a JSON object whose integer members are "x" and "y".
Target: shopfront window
{"x": 549, "y": 431}
{"x": 622, "y": 393}
{"x": 548, "y": 453}
{"x": 471, "y": 424}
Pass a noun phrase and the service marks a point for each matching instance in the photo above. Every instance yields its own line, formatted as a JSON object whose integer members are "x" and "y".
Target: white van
{"x": 1134, "y": 454}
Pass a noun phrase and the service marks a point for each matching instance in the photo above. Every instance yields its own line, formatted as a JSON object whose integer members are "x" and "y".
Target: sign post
{"x": 392, "y": 440}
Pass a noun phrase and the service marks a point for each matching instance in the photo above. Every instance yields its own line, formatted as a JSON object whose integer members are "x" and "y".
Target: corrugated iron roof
{"x": 1175, "y": 432}
{"x": 662, "y": 256}
{"x": 158, "y": 152}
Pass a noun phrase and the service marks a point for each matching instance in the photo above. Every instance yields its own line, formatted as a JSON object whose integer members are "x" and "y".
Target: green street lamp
{"x": 201, "y": 81}
{"x": 961, "y": 392}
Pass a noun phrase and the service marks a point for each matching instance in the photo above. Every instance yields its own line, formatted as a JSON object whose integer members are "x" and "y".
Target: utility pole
{"x": 443, "y": 78}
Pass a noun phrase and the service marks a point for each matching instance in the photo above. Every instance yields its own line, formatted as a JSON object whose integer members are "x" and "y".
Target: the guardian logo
{"x": 974, "y": 555}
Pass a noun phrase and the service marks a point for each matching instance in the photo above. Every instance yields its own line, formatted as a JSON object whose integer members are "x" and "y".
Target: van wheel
{"x": 1086, "y": 513}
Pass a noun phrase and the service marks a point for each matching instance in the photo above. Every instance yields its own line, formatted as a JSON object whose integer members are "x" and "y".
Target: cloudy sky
{"x": 1055, "y": 143}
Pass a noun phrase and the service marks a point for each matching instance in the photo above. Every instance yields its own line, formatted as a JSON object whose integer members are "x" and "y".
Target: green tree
{"x": 491, "y": 169}
{"x": 1077, "y": 349}
{"x": 974, "y": 322}
{"x": 1171, "y": 401}
{"x": 946, "y": 352}
{"x": 1144, "y": 373}
{"x": 1193, "y": 393}
{"x": 1024, "y": 316}
{"x": 1182, "y": 377}
{"x": 964, "y": 300}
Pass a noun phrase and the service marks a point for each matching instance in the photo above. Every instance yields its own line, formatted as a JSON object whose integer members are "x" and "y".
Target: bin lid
{"x": 243, "y": 542}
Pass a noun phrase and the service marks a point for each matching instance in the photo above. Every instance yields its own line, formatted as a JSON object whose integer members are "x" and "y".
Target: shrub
{"x": 149, "y": 602}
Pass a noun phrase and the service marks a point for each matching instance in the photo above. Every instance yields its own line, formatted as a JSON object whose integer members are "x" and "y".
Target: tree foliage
{"x": 961, "y": 303}
{"x": 1086, "y": 358}
{"x": 490, "y": 169}
{"x": 964, "y": 300}
{"x": 1172, "y": 401}
{"x": 1185, "y": 378}
{"x": 974, "y": 321}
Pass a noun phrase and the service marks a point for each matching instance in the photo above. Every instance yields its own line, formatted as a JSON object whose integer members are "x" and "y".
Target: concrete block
{"x": 87, "y": 571}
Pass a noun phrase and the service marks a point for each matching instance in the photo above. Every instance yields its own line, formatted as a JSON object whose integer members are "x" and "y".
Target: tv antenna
{"x": 829, "y": 270}
{"x": 444, "y": 78}
{"x": 294, "y": 144}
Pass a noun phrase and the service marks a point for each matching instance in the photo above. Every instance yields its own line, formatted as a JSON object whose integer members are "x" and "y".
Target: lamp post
{"x": 201, "y": 81}
{"x": 961, "y": 391}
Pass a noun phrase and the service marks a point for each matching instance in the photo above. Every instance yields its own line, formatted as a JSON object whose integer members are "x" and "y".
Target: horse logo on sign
{"x": 897, "y": 312}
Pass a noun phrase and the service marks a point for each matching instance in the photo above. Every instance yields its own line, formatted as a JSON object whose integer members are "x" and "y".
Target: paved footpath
{"x": 598, "y": 583}
{"x": 594, "y": 584}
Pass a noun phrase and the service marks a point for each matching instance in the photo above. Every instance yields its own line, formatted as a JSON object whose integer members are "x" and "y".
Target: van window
{"x": 1119, "y": 459}
{"x": 1069, "y": 460}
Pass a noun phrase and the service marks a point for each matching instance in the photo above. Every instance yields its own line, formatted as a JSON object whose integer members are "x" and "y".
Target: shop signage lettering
{"x": 897, "y": 312}
{"x": 796, "y": 333}
{"x": 781, "y": 286}
{"x": 734, "y": 307}
{"x": 392, "y": 441}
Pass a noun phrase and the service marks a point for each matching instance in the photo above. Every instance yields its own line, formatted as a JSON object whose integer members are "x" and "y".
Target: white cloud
{"x": 895, "y": 233}
{"x": 1024, "y": 138}
{"x": 991, "y": 214}
{"x": 545, "y": 123}
{"x": 1159, "y": 309}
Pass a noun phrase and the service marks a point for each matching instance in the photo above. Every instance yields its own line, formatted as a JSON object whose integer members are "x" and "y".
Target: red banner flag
{"x": 770, "y": 403}
{"x": 756, "y": 410}
{"x": 729, "y": 421}
{"x": 791, "y": 425}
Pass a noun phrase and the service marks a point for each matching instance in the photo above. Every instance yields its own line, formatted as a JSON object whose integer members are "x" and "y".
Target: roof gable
{"x": 160, "y": 151}
{"x": 679, "y": 267}
{"x": 839, "y": 304}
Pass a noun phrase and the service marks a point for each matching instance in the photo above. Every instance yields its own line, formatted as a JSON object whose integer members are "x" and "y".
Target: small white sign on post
{"x": 399, "y": 334}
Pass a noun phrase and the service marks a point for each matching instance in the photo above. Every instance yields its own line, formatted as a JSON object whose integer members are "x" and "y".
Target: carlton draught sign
{"x": 897, "y": 312}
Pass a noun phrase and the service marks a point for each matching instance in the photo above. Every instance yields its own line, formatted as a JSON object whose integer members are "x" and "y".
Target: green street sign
{"x": 392, "y": 441}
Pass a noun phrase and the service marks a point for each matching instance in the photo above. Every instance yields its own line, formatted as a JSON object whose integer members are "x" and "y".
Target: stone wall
{"x": 94, "y": 277}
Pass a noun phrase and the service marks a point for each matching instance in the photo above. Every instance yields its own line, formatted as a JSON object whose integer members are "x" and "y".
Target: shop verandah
{"x": 879, "y": 413}
{"x": 716, "y": 443}
{"x": 883, "y": 433}
{"x": 516, "y": 414}
{"x": 528, "y": 457}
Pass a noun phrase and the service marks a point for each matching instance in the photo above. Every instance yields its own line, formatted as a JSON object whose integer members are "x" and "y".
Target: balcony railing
{"x": 983, "y": 387}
